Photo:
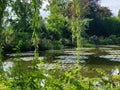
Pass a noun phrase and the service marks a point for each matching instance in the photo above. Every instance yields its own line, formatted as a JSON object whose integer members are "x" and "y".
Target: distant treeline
{"x": 17, "y": 17}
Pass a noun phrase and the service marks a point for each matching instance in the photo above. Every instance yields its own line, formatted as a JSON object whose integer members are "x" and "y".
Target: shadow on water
{"x": 98, "y": 61}
{"x": 51, "y": 54}
{"x": 103, "y": 58}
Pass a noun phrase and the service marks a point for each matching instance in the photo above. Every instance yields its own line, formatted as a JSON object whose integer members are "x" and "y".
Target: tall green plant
{"x": 18, "y": 81}
{"x": 78, "y": 23}
{"x": 36, "y": 24}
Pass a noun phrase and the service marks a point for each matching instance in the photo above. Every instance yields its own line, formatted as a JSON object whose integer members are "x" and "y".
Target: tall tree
{"x": 56, "y": 21}
{"x": 3, "y": 4}
{"x": 98, "y": 14}
{"x": 104, "y": 12}
{"x": 23, "y": 14}
{"x": 25, "y": 17}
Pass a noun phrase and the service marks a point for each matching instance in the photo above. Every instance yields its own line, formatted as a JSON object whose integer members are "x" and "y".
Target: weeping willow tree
{"x": 78, "y": 22}
{"x": 36, "y": 23}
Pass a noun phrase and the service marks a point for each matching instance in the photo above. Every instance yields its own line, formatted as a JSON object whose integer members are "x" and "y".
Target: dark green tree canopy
{"x": 119, "y": 13}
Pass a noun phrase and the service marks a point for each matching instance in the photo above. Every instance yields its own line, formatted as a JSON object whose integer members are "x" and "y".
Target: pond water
{"x": 104, "y": 57}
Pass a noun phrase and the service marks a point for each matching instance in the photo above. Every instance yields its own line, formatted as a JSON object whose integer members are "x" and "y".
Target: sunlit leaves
{"x": 55, "y": 21}
{"x": 8, "y": 35}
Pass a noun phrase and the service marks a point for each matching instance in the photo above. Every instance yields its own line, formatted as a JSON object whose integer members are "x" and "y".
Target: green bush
{"x": 27, "y": 44}
{"x": 111, "y": 40}
{"x": 85, "y": 42}
{"x": 49, "y": 44}
{"x": 57, "y": 45}
{"x": 26, "y": 40}
{"x": 105, "y": 41}
{"x": 24, "y": 37}
{"x": 46, "y": 44}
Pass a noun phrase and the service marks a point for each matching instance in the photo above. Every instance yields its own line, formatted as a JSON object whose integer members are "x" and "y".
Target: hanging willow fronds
{"x": 78, "y": 23}
{"x": 36, "y": 24}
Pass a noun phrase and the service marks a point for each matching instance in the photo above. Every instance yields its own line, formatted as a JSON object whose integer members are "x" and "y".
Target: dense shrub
{"x": 111, "y": 40}
{"x": 45, "y": 44}
{"x": 25, "y": 38}
{"x": 13, "y": 41}
{"x": 85, "y": 42}
{"x": 49, "y": 44}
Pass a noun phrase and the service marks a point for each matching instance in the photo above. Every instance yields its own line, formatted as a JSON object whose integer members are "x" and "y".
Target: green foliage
{"x": 104, "y": 27}
{"x": 23, "y": 14}
{"x": 43, "y": 79}
{"x": 49, "y": 44}
{"x": 11, "y": 42}
{"x": 4, "y": 87}
{"x": 56, "y": 22}
{"x": 119, "y": 13}
{"x": 98, "y": 14}
{"x": 78, "y": 23}
{"x": 112, "y": 26}
{"x": 116, "y": 77}
{"x": 112, "y": 39}
{"x": 57, "y": 45}
{"x": 38, "y": 77}
{"x": 87, "y": 43}
{"x": 8, "y": 35}
{"x": 3, "y": 4}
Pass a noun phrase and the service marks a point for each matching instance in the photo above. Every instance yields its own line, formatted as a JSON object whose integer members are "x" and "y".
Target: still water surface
{"x": 104, "y": 57}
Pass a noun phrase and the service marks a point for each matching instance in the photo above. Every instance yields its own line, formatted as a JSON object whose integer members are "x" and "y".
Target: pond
{"x": 104, "y": 57}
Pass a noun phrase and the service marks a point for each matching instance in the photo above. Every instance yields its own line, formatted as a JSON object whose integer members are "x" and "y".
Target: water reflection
{"x": 7, "y": 65}
{"x": 115, "y": 72}
{"x": 104, "y": 57}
